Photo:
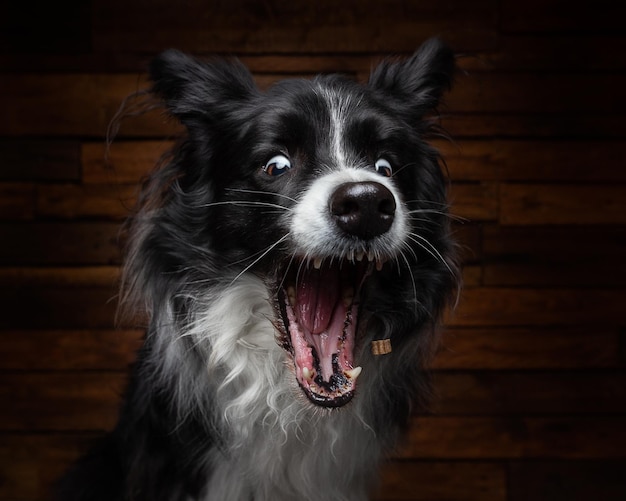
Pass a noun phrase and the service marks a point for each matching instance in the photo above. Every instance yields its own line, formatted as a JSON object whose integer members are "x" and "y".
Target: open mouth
{"x": 319, "y": 304}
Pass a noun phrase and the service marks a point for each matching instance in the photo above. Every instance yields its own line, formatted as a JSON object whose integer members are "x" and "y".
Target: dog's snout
{"x": 363, "y": 209}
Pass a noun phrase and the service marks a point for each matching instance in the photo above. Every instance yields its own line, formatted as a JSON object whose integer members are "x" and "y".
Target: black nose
{"x": 363, "y": 209}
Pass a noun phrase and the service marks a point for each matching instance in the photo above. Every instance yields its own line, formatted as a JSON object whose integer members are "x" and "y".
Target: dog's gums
{"x": 319, "y": 306}
{"x": 291, "y": 236}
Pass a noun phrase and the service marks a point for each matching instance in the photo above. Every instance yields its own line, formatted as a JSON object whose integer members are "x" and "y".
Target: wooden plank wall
{"x": 531, "y": 386}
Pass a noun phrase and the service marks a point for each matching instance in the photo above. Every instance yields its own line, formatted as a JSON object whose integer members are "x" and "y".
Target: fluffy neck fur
{"x": 275, "y": 444}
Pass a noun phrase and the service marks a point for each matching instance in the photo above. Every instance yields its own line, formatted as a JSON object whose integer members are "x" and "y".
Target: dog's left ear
{"x": 200, "y": 93}
{"x": 415, "y": 86}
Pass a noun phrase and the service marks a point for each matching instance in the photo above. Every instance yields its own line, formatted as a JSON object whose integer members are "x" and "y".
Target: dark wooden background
{"x": 531, "y": 401}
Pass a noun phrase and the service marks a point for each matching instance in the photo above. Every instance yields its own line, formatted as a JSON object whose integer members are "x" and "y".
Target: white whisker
{"x": 265, "y": 253}
{"x": 430, "y": 248}
{"x": 259, "y": 192}
{"x": 244, "y": 203}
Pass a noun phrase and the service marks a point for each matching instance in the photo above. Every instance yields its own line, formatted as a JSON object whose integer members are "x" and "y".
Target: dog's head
{"x": 324, "y": 188}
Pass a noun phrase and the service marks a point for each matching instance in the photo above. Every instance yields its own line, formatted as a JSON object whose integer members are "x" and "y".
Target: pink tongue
{"x": 317, "y": 295}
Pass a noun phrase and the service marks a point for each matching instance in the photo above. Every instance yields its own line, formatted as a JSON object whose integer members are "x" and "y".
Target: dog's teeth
{"x": 353, "y": 373}
{"x": 291, "y": 294}
{"x": 317, "y": 263}
{"x": 379, "y": 265}
{"x": 307, "y": 373}
{"x": 348, "y": 296}
{"x": 370, "y": 256}
{"x": 360, "y": 255}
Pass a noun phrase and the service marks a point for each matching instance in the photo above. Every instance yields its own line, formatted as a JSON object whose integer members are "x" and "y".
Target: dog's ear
{"x": 416, "y": 85}
{"x": 198, "y": 92}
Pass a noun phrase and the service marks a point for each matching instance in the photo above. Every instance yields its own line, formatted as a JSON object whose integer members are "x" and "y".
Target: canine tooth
{"x": 291, "y": 294}
{"x": 354, "y": 373}
{"x": 360, "y": 255}
{"x": 370, "y": 256}
{"x": 379, "y": 264}
{"x": 317, "y": 263}
{"x": 307, "y": 373}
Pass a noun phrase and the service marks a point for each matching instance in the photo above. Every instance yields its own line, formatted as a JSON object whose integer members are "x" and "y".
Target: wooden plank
{"x": 80, "y": 201}
{"x": 567, "y": 480}
{"x": 561, "y": 16}
{"x": 39, "y": 160}
{"x": 469, "y": 239}
{"x": 536, "y": 393}
{"x": 554, "y": 256}
{"x": 76, "y": 401}
{"x": 569, "y": 52}
{"x": 536, "y": 125}
{"x": 58, "y": 276}
{"x": 71, "y": 105}
{"x": 24, "y": 31}
{"x": 499, "y": 306}
{"x": 58, "y": 308}
{"x": 32, "y": 463}
{"x": 124, "y": 162}
{"x": 298, "y": 27}
{"x": 73, "y": 243}
{"x": 516, "y": 438}
{"x": 488, "y": 92}
{"x": 476, "y": 202}
{"x": 69, "y": 349}
{"x": 16, "y": 201}
{"x": 442, "y": 481}
{"x": 530, "y": 204}
{"x": 532, "y": 160}
{"x": 534, "y": 348}
{"x": 472, "y": 275}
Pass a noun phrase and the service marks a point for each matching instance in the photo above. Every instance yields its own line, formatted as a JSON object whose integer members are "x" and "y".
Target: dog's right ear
{"x": 200, "y": 93}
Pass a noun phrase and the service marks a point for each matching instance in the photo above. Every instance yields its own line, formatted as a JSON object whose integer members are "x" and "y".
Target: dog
{"x": 294, "y": 255}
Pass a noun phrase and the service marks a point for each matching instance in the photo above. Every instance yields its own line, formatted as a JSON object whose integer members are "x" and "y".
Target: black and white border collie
{"x": 289, "y": 233}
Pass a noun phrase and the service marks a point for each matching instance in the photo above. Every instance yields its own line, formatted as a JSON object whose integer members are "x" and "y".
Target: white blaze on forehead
{"x": 338, "y": 106}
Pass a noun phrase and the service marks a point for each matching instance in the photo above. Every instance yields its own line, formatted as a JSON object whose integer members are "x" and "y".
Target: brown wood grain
{"x": 544, "y": 256}
{"x": 538, "y": 204}
{"x": 122, "y": 162}
{"x": 16, "y": 201}
{"x": 490, "y": 437}
{"x": 63, "y": 350}
{"x": 58, "y": 308}
{"x": 567, "y": 480}
{"x": 59, "y": 276}
{"x": 480, "y": 348}
{"x": 57, "y": 401}
{"x": 475, "y": 202}
{"x": 60, "y": 243}
{"x": 535, "y": 393}
{"x": 442, "y": 481}
{"x": 39, "y": 160}
{"x": 273, "y": 26}
{"x": 534, "y": 160}
{"x": 30, "y": 464}
{"x": 70, "y": 201}
{"x": 560, "y": 16}
{"x": 499, "y": 306}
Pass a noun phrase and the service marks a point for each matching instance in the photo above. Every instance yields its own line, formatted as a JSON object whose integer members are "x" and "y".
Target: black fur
{"x": 204, "y": 219}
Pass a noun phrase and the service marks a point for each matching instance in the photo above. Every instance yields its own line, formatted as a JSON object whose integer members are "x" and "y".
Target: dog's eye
{"x": 277, "y": 165}
{"x": 383, "y": 167}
